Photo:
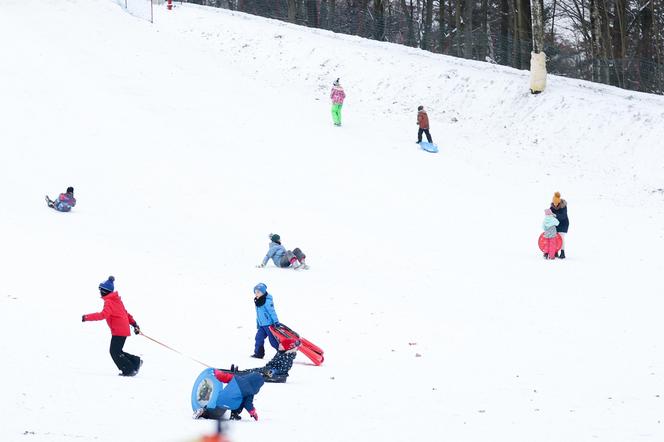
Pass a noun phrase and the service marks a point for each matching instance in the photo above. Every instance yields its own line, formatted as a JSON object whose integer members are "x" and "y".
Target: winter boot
{"x": 50, "y": 203}
{"x": 198, "y": 413}
{"x": 235, "y": 415}
{"x": 258, "y": 356}
{"x": 562, "y": 254}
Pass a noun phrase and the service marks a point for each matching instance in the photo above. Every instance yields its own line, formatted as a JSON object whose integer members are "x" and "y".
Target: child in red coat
{"x": 118, "y": 320}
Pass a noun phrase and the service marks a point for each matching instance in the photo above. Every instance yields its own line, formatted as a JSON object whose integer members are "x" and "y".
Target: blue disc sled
{"x": 429, "y": 147}
{"x": 206, "y": 390}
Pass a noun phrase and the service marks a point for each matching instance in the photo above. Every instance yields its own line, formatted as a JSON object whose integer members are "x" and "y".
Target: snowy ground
{"x": 190, "y": 139}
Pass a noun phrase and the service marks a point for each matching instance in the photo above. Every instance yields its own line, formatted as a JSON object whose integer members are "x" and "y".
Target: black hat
{"x": 70, "y": 189}
{"x": 275, "y": 237}
{"x": 419, "y": 108}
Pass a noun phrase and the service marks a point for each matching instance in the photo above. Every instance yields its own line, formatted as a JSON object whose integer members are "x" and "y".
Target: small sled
{"x": 429, "y": 147}
{"x": 558, "y": 242}
{"x": 310, "y": 350}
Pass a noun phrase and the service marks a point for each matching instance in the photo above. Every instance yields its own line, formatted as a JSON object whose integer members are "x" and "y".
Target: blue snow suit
{"x": 266, "y": 315}
{"x": 240, "y": 392}
{"x": 276, "y": 252}
{"x": 549, "y": 226}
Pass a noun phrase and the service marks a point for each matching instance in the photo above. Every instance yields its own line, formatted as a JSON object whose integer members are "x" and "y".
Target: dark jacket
{"x": 281, "y": 363}
{"x": 561, "y": 215}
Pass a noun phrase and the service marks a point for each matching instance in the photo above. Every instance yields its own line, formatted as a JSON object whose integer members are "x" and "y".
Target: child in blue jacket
{"x": 238, "y": 394}
{"x": 266, "y": 316}
{"x": 281, "y": 257}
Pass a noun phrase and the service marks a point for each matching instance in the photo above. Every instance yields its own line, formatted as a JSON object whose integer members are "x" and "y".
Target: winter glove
{"x": 260, "y": 266}
{"x": 253, "y": 414}
{"x": 83, "y": 318}
{"x": 277, "y": 324}
{"x": 137, "y": 329}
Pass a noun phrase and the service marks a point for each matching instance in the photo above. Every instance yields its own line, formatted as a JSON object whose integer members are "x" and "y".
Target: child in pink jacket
{"x": 337, "y": 95}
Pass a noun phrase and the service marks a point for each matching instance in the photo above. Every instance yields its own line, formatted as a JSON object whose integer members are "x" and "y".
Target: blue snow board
{"x": 429, "y": 147}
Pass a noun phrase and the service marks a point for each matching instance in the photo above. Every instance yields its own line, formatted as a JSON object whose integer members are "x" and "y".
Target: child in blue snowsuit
{"x": 281, "y": 257}
{"x": 266, "y": 316}
{"x": 65, "y": 201}
{"x": 238, "y": 394}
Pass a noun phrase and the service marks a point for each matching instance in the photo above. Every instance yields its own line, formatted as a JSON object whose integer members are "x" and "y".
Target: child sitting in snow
{"x": 65, "y": 201}
{"x": 277, "y": 369}
{"x": 549, "y": 226}
{"x": 281, "y": 257}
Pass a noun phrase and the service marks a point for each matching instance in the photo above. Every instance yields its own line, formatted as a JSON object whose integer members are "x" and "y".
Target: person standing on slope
{"x": 337, "y": 95}
{"x": 423, "y": 123}
{"x": 118, "y": 320}
{"x": 559, "y": 208}
{"x": 266, "y": 316}
{"x": 549, "y": 226}
{"x": 65, "y": 201}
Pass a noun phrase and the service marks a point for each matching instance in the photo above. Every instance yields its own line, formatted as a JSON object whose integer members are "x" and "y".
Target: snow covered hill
{"x": 190, "y": 139}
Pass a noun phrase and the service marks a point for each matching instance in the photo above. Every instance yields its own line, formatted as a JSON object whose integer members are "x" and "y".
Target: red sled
{"x": 313, "y": 352}
{"x": 558, "y": 242}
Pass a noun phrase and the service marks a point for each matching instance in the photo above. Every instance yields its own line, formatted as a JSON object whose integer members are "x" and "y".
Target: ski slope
{"x": 190, "y": 139}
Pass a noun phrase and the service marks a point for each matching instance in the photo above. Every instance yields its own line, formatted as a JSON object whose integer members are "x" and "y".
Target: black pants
{"x": 426, "y": 132}
{"x": 125, "y": 362}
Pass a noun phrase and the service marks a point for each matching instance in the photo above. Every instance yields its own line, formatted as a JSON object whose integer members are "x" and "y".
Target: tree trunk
{"x": 292, "y": 10}
{"x": 379, "y": 19}
{"x": 312, "y": 13}
{"x": 485, "y": 39}
{"x": 468, "y": 29}
{"x": 504, "y": 33}
{"x": 428, "y": 21}
{"x": 538, "y": 26}
{"x": 457, "y": 31}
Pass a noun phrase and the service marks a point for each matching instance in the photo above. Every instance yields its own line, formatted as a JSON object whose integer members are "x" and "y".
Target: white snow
{"x": 190, "y": 139}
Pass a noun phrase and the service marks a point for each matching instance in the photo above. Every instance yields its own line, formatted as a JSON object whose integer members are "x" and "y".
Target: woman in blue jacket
{"x": 266, "y": 316}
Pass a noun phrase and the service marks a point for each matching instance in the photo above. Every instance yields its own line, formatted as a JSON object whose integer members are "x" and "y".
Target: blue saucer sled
{"x": 429, "y": 147}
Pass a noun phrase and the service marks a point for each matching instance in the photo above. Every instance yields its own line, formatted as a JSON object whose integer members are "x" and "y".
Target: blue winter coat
{"x": 549, "y": 226}
{"x": 561, "y": 214}
{"x": 275, "y": 252}
{"x": 266, "y": 315}
{"x": 240, "y": 391}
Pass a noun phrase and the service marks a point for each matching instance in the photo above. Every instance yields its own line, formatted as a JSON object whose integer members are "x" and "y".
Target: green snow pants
{"x": 336, "y": 114}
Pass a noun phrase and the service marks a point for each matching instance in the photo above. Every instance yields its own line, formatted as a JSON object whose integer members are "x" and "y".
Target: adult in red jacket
{"x": 118, "y": 319}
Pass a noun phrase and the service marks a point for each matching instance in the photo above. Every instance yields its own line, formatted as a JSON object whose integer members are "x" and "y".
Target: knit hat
{"x": 70, "y": 189}
{"x": 336, "y": 82}
{"x": 107, "y": 286}
{"x": 223, "y": 376}
{"x": 548, "y": 212}
{"x": 261, "y": 288}
{"x": 289, "y": 343}
{"x": 556, "y": 198}
{"x": 419, "y": 108}
{"x": 275, "y": 237}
